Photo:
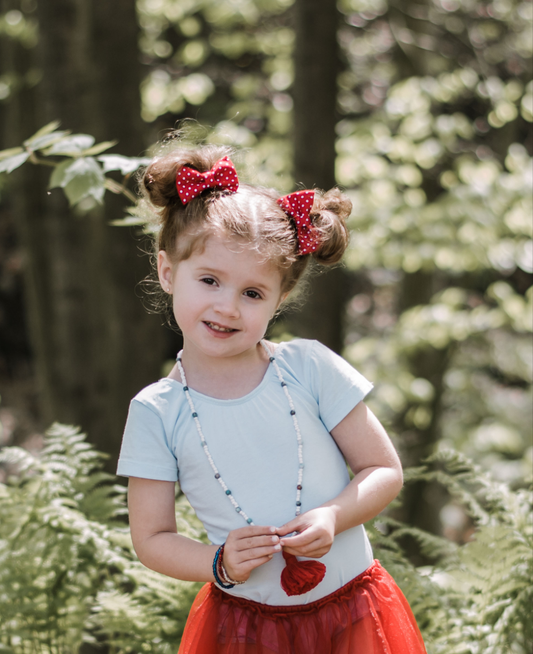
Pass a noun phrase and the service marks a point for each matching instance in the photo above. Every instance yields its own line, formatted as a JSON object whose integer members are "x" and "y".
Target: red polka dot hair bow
{"x": 190, "y": 182}
{"x": 298, "y": 206}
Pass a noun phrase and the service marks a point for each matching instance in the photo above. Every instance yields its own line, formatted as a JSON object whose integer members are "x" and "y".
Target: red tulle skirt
{"x": 369, "y": 615}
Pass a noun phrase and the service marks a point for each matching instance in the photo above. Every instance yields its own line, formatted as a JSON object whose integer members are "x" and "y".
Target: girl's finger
{"x": 257, "y": 541}
{"x": 312, "y": 554}
{"x": 255, "y": 563}
{"x": 259, "y": 552}
{"x": 238, "y": 558}
{"x": 251, "y": 531}
{"x": 300, "y": 540}
{"x": 307, "y": 542}
{"x": 241, "y": 571}
{"x": 315, "y": 544}
{"x": 293, "y": 525}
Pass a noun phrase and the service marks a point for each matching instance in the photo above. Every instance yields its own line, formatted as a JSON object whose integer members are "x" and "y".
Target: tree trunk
{"x": 422, "y": 501}
{"x": 90, "y": 332}
{"x": 316, "y": 63}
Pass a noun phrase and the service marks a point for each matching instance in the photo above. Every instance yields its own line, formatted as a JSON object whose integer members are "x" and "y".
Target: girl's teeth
{"x": 219, "y": 329}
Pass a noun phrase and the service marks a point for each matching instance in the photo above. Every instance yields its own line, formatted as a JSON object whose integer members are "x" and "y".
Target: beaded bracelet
{"x": 219, "y": 571}
{"x": 224, "y": 574}
{"x": 218, "y": 581}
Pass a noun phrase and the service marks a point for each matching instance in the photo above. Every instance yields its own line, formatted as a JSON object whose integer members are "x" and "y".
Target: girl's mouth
{"x": 219, "y": 328}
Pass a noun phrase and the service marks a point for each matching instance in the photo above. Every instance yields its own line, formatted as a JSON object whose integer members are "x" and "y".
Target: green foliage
{"x": 488, "y": 580}
{"x": 77, "y": 168}
{"x": 69, "y": 575}
{"x": 16, "y": 26}
{"x": 229, "y": 65}
{"x": 68, "y": 572}
{"x": 432, "y": 153}
{"x": 476, "y": 597}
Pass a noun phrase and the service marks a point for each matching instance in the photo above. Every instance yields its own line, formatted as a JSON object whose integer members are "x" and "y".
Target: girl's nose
{"x": 228, "y": 305}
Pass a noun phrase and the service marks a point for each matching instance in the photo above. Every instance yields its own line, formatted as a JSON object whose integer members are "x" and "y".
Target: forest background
{"x": 422, "y": 112}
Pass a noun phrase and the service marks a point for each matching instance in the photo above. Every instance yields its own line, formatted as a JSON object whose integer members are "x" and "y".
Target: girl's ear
{"x": 165, "y": 271}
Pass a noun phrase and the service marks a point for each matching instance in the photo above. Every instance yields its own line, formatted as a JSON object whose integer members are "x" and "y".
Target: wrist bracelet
{"x": 218, "y": 581}
{"x": 224, "y": 574}
{"x": 219, "y": 571}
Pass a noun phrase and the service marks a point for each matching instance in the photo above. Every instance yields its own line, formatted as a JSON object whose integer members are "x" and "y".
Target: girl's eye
{"x": 208, "y": 280}
{"x": 253, "y": 294}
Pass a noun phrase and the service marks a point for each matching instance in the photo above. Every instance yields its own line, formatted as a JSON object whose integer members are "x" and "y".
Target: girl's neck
{"x": 223, "y": 378}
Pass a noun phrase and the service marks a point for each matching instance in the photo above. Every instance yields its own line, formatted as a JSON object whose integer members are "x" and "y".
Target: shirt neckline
{"x": 267, "y": 377}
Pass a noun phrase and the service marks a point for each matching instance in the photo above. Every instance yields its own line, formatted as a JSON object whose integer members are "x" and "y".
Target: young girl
{"x": 258, "y": 434}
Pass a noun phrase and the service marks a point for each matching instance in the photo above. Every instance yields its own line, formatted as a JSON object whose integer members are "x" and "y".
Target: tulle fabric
{"x": 369, "y": 615}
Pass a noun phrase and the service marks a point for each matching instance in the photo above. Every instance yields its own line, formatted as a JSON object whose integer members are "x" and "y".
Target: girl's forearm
{"x": 364, "y": 497}
{"x": 367, "y": 494}
{"x": 177, "y": 556}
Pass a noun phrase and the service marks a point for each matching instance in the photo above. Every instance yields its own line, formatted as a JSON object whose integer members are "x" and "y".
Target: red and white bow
{"x": 298, "y": 206}
{"x": 190, "y": 182}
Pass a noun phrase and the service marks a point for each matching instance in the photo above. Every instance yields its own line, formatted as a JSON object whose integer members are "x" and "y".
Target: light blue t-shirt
{"x": 253, "y": 444}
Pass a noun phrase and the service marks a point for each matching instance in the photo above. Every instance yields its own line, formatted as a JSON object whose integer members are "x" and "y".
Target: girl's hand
{"x": 316, "y": 531}
{"x": 248, "y": 548}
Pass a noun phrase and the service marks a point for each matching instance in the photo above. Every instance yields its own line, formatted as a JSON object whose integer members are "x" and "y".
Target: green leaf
{"x": 126, "y": 165}
{"x": 5, "y": 154}
{"x": 10, "y": 164}
{"x": 72, "y": 145}
{"x": 128, "y": 221}
{"x": 47, "y": 129}
{"x": 61, "y": 175}
{"x": 80, "y": 178}
{"x": 89, "y": 184}
{"x": 45, "y": 141}
{"x": 99, "y": 147}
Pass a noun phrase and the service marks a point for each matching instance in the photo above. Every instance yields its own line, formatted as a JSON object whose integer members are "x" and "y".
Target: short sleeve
{"x": 145, "y": 450}
{"x": 336, "y": 385}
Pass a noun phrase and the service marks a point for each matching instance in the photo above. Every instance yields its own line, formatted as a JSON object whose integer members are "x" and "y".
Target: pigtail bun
{"x": 159, "y": 179}
{"x": 172, "y": 217}
{"x": 329, "y": 214}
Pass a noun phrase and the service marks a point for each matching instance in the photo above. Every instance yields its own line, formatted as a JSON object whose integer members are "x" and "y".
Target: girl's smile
{"x": 219, "y": 328}
{"x": 223, "y": 298}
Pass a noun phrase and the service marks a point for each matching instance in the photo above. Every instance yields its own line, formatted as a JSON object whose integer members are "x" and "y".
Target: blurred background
{"x": 420, "y": 109}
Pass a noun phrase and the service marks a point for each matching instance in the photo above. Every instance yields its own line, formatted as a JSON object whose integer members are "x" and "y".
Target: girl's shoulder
{"x": 335, "y": 385}
{"x": 316, "y": 363}
{"x": 308, "y": 359}
{"x": 303, "y": 351}
{"x": 295, "y": 347}
{"x": 293, "y": 355}
{"x": 159, "y": 394}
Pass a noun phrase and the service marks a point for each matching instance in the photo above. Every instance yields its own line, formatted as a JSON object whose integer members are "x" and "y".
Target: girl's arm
{"x": 377, "y": 481}
{"x": 160, "y": 548}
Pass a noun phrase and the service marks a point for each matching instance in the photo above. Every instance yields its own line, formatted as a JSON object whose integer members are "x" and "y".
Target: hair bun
{"x": 159, "y": 180}
{"x": 329, "y": 214}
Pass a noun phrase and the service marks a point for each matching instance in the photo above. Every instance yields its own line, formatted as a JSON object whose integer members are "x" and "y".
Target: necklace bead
{"x": 203, "y": 442}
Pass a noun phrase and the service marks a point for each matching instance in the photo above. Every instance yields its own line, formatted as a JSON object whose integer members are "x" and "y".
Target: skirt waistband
{"x": 343, "y": 593}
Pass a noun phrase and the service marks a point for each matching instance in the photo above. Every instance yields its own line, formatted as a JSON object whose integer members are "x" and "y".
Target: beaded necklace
{"x": 203, "y": 442}
{"x": 298, "y": 577}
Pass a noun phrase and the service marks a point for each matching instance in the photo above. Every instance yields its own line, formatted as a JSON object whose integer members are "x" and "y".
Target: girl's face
{"x": 223, "y": 297}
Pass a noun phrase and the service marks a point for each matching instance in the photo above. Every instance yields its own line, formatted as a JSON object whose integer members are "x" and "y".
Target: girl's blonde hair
{"x": 251, "y": 215}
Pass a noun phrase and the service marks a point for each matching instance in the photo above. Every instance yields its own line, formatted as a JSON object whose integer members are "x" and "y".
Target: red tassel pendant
{"x": 299, "y": 577}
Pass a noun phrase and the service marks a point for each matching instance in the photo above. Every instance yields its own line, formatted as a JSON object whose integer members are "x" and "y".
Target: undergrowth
{"x": 69, "y": 575}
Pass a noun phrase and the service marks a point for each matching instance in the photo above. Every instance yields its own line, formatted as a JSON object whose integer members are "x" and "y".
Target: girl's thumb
{"x": 289, "y": 528}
